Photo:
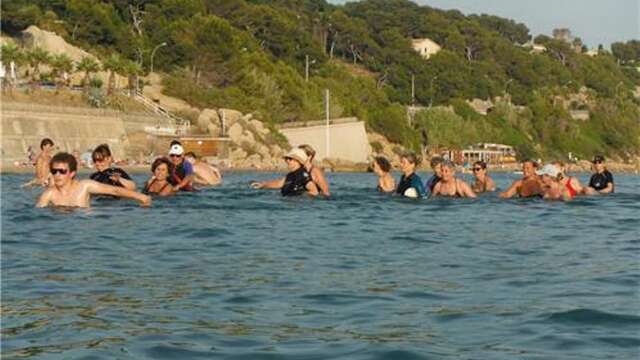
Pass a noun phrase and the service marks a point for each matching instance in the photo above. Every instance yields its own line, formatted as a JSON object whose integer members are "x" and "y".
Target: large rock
{"x": 258, "y": 127}
{"x": 235, "y": 133}
{"x": 237, "y": 154}
{"x": 206, "y": 117}
{"x": 214, "y": 130}
{"x": 230, "y": 117}
{"x": 247, "y": 137}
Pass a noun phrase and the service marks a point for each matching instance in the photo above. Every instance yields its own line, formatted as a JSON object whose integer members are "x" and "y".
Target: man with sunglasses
{"x": 67, "y": 191}
{"x": 602, "y": 180}
{"x": 484, "y": 182}
{"x": 182, "y": 174}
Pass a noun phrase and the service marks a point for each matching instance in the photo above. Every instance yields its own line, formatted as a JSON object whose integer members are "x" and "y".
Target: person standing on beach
{"x": 107, "y": 174}
{"x": 528, "y": 186}
{"x": 42, "y": 176}
{"x": 601, "y": 181}
{"x": 67, "y": 191}
{"x": 317, "y": 175}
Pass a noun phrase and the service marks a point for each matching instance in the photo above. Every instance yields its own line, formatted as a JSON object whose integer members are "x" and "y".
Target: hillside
{"x": 250, "y": 55}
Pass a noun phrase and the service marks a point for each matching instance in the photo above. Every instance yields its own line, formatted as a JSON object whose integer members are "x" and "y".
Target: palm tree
{"x": 61, "y": 64}
{"x": 113, "y": 64}
{"x": 11, "y": 54}
{"x": 89, "y": 65}
{"x": 36, "y": 57}
{"x": 132, "y": 70}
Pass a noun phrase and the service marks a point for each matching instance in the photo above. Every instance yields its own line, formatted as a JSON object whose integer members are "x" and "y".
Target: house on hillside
{"x": 425, "y": 47}
{"x": 592, "y": 52}
{"x": 534, "y": 48}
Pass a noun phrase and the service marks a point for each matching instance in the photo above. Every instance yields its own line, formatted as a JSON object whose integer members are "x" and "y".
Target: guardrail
{"x": 181, "y": 125}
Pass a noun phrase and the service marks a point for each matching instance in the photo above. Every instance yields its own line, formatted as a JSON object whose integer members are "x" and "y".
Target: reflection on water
{"x": 237, "y": 273}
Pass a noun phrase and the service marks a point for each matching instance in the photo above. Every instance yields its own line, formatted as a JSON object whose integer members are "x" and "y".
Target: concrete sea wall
{"x": 347, "y": 141}
{"x": 71, "y": 129}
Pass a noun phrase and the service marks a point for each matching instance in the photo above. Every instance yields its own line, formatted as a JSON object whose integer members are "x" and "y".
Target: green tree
{"x": 61, "y": 68}
{"x": 132, "y": 70}
{"x": 89, "y": 66}
{"x": 35, "y": 58}
{"x": 113, "y": 64}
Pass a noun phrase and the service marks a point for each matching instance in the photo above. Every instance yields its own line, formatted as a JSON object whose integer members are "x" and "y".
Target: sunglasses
{"x": 55, "y": 171}
{"x": 175, "y": 156}
{"x": 477, "y": 169}
{"x": 288, "y": 159}
{"x": 597, "y": 162}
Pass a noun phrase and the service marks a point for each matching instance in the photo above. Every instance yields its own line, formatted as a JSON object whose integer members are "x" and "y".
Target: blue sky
{"x": 595, "y": 21}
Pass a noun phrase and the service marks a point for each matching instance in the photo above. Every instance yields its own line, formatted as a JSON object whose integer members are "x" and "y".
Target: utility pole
{"x": 306, "y": 68}
{"x": 326, "y": 133}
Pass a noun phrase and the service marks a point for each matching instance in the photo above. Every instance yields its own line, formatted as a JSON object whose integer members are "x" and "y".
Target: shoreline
{"x": 12, "y": 169}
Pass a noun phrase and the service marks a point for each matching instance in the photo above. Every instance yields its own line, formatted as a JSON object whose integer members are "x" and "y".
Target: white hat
{"x": 176, "y": 149}
{"x": 297, "y": 154}
{"x": 550, "y": 170}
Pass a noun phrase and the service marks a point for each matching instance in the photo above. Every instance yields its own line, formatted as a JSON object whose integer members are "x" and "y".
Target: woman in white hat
{"x": 297, "y": 182}
{"x": 552, "y": 187}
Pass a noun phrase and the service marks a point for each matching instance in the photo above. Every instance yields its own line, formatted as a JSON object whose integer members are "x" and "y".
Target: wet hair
{"x": 411, "y": 157}
{"x": 100, "y": 152}
{"x": 64, "y": 158}
{"x": 45, "y": 142}
{"x": 383, "y": 163}
{"x": 482, "y": 164}
{"x": 191, "y": 154}
{"x": 175, "y": 142}
{"x": 159, "y": 161}
{"x": 311, "y": 153}
{"x": 435, "y": 161}
{"x": 448, "y": 164}
{"x": 534, "y": 163}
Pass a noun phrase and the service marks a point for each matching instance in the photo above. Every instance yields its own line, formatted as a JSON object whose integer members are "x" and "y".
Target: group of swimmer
{"x": 550, "y": 182}
{"x": 180, "y": 171}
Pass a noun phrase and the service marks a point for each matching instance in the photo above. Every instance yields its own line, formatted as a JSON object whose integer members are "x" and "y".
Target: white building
{"x": 425, "y": 47}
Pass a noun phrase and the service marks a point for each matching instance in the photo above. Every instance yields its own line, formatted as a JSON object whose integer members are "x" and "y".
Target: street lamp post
{"x": 306, "y": 67}
{"x": 153, "y": 53}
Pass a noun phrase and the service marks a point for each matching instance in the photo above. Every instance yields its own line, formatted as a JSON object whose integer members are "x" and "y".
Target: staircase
{"x": 173, "y": 124}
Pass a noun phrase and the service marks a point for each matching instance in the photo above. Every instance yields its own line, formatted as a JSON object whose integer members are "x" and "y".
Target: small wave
{"x": 593, "y": 317}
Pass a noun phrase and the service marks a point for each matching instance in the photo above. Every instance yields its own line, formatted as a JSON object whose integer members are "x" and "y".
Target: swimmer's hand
{"x": 256, "y": 185}
{"x": 145, "y": 201}
{"x": 115, "y": 177}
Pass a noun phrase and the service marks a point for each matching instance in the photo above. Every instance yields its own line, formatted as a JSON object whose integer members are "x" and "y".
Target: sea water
{"x": 236, "y": 273}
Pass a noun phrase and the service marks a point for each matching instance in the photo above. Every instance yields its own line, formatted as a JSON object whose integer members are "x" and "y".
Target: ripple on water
{"x": 593, "y": 317}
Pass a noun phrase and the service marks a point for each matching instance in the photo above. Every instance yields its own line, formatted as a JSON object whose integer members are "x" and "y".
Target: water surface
{"x": 235, "y": 273}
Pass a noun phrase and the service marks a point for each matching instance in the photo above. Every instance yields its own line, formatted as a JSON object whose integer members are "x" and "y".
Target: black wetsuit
{"x": 411, "y": 181}
{"x": 296, "y": 183}
{"x": 105, "y": 176}
{"x": 601, "y": 181}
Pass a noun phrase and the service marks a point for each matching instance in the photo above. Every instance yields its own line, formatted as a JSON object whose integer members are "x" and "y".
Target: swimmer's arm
{"x": 312, "y": 189}
{"x": 512, "y": 190}
{"x": 608, "y": 189}
{"x": 128, "y": 184}
{"x": 466, "y": 190}
{"x": 44, "y": 199}
{"x": 273, "y": 184}
{"x": 94, "y": 187}
{"x": 185, "y": 182}
{"x": 436, "y": 190}
{"x": 321, "y": 181}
